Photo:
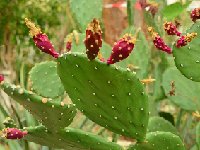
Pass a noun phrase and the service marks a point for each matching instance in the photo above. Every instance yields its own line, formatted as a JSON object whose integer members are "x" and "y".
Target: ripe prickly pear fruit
{"x": 41, "y": 40}
{"x": 195, "y": 14}
{"x": 69, "y": 42}
{"x": 171, "y": 29}
{"x": 93, "y": 40}
{"x": 13, "y": 133}
{"x": 1, "y": 78}
{"x": 185, "y": 39}
{"x": 159, "y": 42}
{"x": 122, "y": 49}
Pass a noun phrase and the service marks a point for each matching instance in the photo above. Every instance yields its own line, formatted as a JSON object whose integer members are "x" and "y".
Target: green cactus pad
{"x": 140, "y": 55}
{"x": 160, "y": 141}
{"x": 45, "y": 80}
{"x": 83, "y": 11}
{"x": 160, "y": 124}
{"x": 186, "y": 91}
{"x": 187, "y": 58}
{"x": 111, "y": 97}
{"x": 69, "y": 139}
{"x": 51, "y": 114}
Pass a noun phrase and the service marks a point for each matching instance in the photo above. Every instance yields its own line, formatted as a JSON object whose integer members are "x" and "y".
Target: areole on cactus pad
{"x": 115, "y": 95}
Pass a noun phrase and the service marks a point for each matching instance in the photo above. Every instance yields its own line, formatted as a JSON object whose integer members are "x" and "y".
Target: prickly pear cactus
{"x": 187, "y": 58}
{"x": 186, "y": 91}
{"x": 51, "y": 114}
{"x": 69, "y": 139}
{"x": 81, "y": 12}
{"x": 160, "y": 124}
{"x": 160, "y": 141}
{"x": 97, "y": 87}
{"x": 45, "y": 80}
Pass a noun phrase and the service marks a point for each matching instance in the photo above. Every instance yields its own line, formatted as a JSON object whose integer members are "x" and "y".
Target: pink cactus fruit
{"x": 159, "y": 42}
{"x": 41, "y": 40}
{"x": 122, "y": 49}
{"x": 195, "y": 14}
{"x": 13, "y": 133}
{"x": 93, "y": 40}
{"x": 1, "y": 78}
{"x": 69, "y": 39}
{"x": 185, "y": 39}
{"x": 171, "y": 29}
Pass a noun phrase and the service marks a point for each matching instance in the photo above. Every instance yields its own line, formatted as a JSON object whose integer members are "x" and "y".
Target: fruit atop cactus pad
{"x": 195, "y": 14}
{"x": 1, "y": 78}
{"x": 171, "y": 29}
{"x": 69, "y": 39}
{"x": 93, "y": 39}
{"x": 41, "y": 40}
{"x": 159, "y": 42}
{"x": 122, "y": 49}
{"x": 13, "y": 133}
{"x": 184, "y": 40}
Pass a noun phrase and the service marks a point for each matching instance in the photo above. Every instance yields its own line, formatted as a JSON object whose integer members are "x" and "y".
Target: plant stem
{"x": 130, "y": 12}
{"x": 178, "y": 121}
{"x": 83, "y": 123}
{"x": 115, "y": 137}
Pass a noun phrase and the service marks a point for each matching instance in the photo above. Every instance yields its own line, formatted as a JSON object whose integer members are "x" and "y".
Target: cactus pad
{"x": 160, "y": 124}
{"x": 45, "y": 80}
{"x": 69, "y": 139}
{"x": 83, "y": 11}
{"x": 186, "y": 91}
{"x": 187, "y": 58}
{"x": 112, "y": 97}
{"x": 160, "y": 141}
{"x": 53, "y": 115}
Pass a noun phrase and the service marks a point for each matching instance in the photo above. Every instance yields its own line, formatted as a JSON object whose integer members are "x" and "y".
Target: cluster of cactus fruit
{"x": 95, "y": 88}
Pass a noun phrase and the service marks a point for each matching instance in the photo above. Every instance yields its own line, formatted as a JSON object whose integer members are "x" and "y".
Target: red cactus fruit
{"x": 122, "y": 49}
{"x": 159, "y": 42}
{"x": 13, "y": 133}
{"x": 171, "y": 29}
{"x": 195, "y": 14}
{"x": 185, "y": 39}
{"x": 69, "y": 42}
{"x": 41, "y": 40}
{"x": 93, "y": 40}
{"x": 1, "y": 78}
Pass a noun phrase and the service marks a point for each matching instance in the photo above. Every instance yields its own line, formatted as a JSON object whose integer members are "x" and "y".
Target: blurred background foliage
{"x": 18, "y": 55}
